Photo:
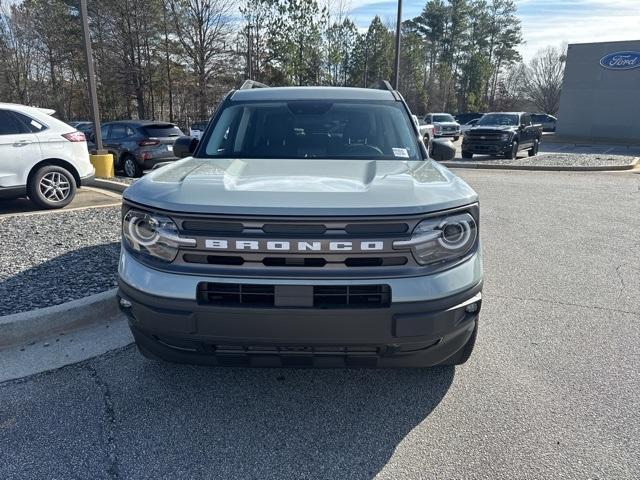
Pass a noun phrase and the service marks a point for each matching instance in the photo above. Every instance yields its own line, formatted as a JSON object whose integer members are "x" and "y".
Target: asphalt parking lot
{"x": 552, "y": 390}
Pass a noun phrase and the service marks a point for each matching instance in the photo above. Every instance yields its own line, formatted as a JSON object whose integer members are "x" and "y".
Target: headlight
{"x": 441, "y": 239}
{"x": 153, "y": 234}
{"x": 505, "y": 137}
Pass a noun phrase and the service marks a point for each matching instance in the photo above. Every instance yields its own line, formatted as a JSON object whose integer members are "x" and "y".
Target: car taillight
{"x": 148, "y": 142}
{"x": 75, "y": 137}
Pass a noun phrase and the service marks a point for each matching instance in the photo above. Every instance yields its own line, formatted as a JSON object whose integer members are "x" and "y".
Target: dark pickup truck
{"x": 502, "y": 134}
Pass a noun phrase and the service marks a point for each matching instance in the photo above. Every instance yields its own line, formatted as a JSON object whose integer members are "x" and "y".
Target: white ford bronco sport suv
{"x": 308, "y": 227}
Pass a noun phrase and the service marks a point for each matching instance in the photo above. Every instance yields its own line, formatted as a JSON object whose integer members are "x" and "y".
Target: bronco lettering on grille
{"x": 294, "y": 246}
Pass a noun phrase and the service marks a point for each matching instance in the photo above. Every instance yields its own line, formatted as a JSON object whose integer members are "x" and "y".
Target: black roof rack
{"x": 385, "y": 85}
{"x": 249, "y": 84}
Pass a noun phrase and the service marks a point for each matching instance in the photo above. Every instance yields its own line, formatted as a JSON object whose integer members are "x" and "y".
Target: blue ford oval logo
{"x": 621, "y": 61}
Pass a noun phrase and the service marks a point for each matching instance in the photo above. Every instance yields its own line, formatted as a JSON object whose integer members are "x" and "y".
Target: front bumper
{"x": 416, "y": 330}
{"x": 448, "y": 134}
{"x": 487, "y": 148}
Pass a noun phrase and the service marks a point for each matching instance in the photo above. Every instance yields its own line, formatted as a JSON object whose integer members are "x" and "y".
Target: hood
{"x": 446, "y": 124}
{"x": 307, "y": 187}
{"x": 494, "y": 128}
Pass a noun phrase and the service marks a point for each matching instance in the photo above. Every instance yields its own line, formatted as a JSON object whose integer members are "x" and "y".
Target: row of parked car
{"x": 502, "y": 134}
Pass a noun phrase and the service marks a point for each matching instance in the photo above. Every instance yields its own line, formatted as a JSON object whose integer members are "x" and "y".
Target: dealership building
{"x": 601, "y": 92}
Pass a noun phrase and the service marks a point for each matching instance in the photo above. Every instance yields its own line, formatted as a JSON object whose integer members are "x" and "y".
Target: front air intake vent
{"x": 317, "y": 296}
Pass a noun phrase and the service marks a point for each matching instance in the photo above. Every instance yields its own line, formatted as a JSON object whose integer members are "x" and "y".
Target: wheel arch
{"x": 57, "y": 162}
{"x": 124, "y": 154}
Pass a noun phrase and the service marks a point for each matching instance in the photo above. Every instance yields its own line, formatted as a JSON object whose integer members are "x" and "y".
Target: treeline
{"x": 174, "y": 59}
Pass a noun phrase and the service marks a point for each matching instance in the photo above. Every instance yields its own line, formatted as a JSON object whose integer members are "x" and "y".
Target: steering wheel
{"x": 364, "y": 149}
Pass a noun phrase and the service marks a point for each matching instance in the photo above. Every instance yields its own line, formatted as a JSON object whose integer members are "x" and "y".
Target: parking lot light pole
{"x": 396, "y": 70}
{"x": 91, "y": 76}
{"x": 102, "y": 160}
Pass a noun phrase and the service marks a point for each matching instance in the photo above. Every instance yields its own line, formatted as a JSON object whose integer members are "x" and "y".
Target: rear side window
{"x": 10, "y": 125}
{"x": 32, "y": 125}
{"x": 118, "y": 131}
{"x": 104, "y": 131}
{"x": 162, "y": 130}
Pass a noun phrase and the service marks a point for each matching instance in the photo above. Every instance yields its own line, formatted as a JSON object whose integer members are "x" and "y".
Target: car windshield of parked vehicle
{"x": 539, "y": 118}
{"x": 314, "y": 129}
{"x": 499, "y": 119}
{"x": 443, "y": 118}
{"x": 162, "y": 130}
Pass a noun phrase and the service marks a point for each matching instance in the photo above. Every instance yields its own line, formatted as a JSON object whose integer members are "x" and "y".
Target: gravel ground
{"x": 559, "y": 160}
{"x": 57, "y": 257}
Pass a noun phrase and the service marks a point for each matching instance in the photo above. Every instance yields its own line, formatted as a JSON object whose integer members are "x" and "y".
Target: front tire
{"x": 52, "y": 187}
{"x": 513, "y": 153}
{"x": 533, "y": 151}
{"x": 455, "y": 139}
{"x": 467, "y": 155}
{"x": 132, "y": 169}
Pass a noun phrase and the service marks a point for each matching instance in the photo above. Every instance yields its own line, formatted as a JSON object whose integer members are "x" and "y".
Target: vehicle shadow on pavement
{"x": 263, "y": 423}
{"x": 68, "y": 276}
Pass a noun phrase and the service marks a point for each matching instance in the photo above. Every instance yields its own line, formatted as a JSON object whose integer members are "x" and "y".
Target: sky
{"x": 544, "y": 22}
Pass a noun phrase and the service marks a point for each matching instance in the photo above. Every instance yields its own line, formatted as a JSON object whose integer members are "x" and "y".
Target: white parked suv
{"x": 40, "y": 156}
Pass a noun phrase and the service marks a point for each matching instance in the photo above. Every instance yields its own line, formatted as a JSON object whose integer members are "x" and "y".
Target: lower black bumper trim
{"x": 403, "y": 335}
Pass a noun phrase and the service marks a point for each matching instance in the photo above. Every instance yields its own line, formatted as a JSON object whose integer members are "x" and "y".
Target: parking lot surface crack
{"x": 623, "y": 285}
{"x": 108, "y": 422}
{"x": 567, "y": 304}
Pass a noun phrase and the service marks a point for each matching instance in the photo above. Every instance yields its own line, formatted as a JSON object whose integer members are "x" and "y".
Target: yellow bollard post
{"x": 103, "y": 165}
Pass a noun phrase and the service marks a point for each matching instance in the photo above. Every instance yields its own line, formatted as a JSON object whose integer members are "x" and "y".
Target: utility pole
{"x": 249, "y": 52}
{"x": 396, "y": 70}
{"x": 93, "y": 95}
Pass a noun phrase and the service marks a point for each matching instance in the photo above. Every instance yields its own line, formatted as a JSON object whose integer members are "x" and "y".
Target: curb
{"x": 109, "y": 185}
{"x": 26, "y": 327}
{"x": 542, "y": 168}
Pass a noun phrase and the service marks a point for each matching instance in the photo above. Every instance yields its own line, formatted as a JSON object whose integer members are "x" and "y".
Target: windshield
{"x": 443, "y": 118}
{"x": 313, "y": 129}
{"x": 506, "y": 119}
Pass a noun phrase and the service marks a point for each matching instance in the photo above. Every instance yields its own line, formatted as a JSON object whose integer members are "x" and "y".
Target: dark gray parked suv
{"x": 308, "y": 227}
{"x": 138, "y": 145}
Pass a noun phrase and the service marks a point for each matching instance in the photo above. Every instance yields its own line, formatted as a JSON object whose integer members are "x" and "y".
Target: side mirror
{"x": 443, "y": 150}
{"x": 185, "y": 146}
{"x": 521, "y": 127}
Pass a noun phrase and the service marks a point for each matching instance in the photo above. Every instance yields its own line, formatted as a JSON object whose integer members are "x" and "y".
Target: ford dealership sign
{"x": 621, "y": 61}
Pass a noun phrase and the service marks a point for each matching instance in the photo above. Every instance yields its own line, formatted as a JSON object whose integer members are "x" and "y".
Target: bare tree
{"x": 542, "y": 81}
{"x": 204, "y": 28}
{"x": 15, "y": 53}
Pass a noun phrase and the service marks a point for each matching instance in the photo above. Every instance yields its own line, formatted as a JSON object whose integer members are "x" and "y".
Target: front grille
{"x": 299, "y": 296}
{"x": 483, "y": 137}
{"x": 317, "y": 257}
{"x": 297, "y": 261}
